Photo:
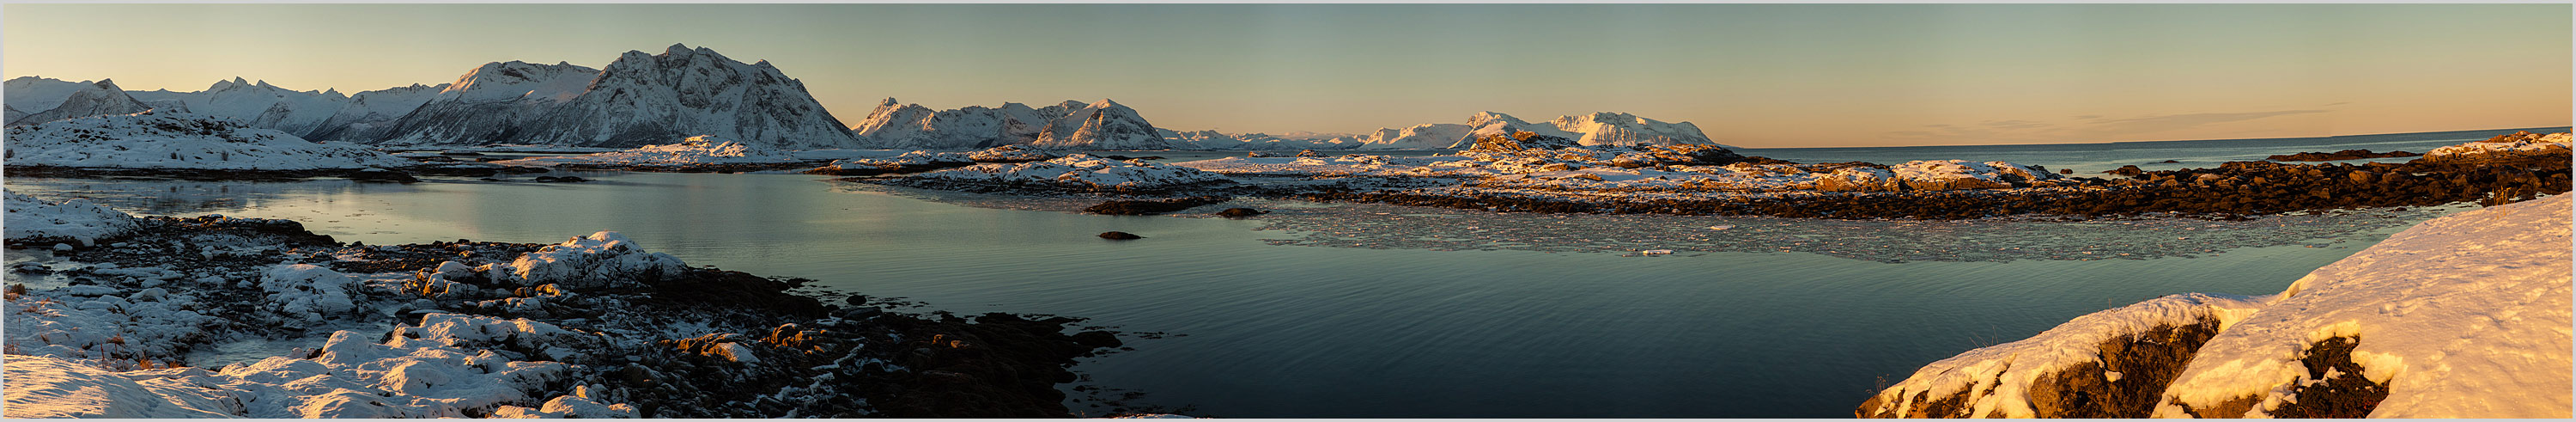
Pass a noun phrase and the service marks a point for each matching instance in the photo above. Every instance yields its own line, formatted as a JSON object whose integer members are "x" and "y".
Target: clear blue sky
{"x": 1753, "y": 75}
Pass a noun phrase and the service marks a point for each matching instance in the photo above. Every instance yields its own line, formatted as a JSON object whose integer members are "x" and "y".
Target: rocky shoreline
{"x": 618, "y": 326}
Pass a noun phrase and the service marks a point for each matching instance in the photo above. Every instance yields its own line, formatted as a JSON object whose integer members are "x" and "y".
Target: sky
{"x": 1798, "y": 75}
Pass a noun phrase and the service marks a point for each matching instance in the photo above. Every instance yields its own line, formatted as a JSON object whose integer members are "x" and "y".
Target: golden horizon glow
{"x": 1748, "y": 74}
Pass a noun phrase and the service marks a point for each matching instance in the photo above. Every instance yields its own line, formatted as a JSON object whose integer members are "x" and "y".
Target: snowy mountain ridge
{"x": 1104, "y": 124}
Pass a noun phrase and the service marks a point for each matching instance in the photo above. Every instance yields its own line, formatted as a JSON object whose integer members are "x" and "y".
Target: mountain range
{"x": 649, "y": 99}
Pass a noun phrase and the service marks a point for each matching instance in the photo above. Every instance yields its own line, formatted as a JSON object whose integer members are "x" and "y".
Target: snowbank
{"x": 1079, "y": 171}
{"x": 156, "y": 140}
{"x": 31, "y": 220}
{"x": 2464, "y": 316}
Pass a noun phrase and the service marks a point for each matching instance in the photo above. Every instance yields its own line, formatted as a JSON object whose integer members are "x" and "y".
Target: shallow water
{"x": 1337, "y": 310}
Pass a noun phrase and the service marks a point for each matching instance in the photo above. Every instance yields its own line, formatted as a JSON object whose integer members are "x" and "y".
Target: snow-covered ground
{"x": 157, "y": 140}
{"x": 2464, "y": 316}
{"x": 1079, "y": 171}
{"x": 30, "y": 219}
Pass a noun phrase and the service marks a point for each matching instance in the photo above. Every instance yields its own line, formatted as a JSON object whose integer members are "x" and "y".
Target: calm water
{"x": 1305, "y": 331}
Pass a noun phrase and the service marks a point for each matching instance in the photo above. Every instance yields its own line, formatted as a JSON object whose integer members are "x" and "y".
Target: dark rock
{"x": 1120, "y": 236}
{"x": 1240, "y": 212}
{"x": 2168, "y": 161}
{"x": 1097, "y": 339}
{"x": 1151, "y": 207}
{"x": 561, "y": 179}
{"x": 2131, "y": 171}
{"x": 2349, "y": 154}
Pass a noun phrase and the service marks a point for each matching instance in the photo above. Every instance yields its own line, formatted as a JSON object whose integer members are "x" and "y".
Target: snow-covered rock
{"x": 1937, "y": 175}
{"x": 30, "y": 219}
{"x": 155, "y": 140}
{"x": 2503, "y": 147}
{"x": 96, "y": 99}
{"x": 2463, "y": 316}
{"x": 1079, "y": 171}
{"x": 909, "y": 159}
{"x": 601, "y": 259}
{"x": 1007, "y": 154}
{"x": 309, "y": 291}
{"x": 644, "y": 99}
{"x": 695, "y": 150}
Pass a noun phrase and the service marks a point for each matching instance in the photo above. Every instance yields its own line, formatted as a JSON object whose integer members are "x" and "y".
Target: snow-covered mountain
{"x": 639, "y": 99}
{"x": 643, "y": 99}
{"x": 1072, "y": 124}
{"x": 93, "y": 99}
{"x": 488, "y": 104}
{"x": 1604, "y": 128}
{"x": 33, "y": 94}
{"x": 369, "y": 115}
{"x": 1213, "y": 140}
{"x": 915, "y": 127}
{"x": 1101, "y": 125}
{"x": 1421, "y": 136}
{"x": 257, "y": 104}
{"x": 1600, "y": 128}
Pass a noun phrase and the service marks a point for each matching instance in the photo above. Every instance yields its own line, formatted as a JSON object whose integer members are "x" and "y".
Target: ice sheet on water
{"x": 1382, "y": 226}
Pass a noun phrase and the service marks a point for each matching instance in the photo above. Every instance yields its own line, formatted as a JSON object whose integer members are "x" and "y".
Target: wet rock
{"x": 1120, "y": 236}
{"x": 1240, "y": 212}
{"x": 1151, "y": 207}
{"x": 559, "y": 179}
{"x": 2130, "y": 171}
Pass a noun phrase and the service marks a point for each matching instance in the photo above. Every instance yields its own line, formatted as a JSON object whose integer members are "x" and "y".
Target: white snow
{"x": 1080, "y": 171}
{"x": 2512, "y": 144}
{"x": 590, "y": 261}
{"x": 155, "y": 140}
{"x": 76, "y": 218}
{"x": 310, "y": 291}
{"x": 2463, "y": 316}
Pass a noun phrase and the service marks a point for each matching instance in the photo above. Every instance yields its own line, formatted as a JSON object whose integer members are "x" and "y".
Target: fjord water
{"x": 1300, "y": 331}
